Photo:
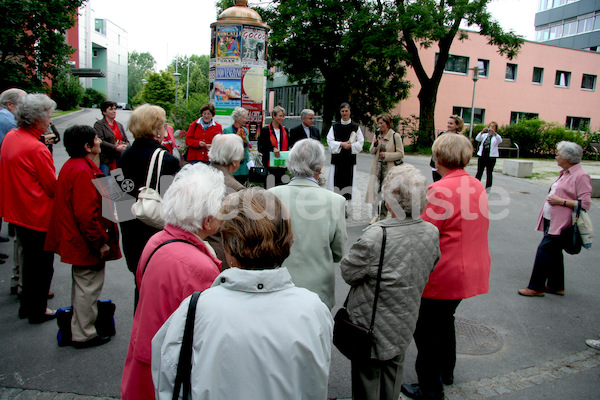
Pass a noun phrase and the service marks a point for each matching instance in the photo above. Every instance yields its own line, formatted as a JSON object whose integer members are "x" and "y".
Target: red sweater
{"x": 197, "y": 134}
{"x": 27, "y": 180}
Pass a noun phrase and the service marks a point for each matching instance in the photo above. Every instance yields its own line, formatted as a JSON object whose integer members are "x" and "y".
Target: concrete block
{"x": 595, "y": 185}
{"x": 518, "y": 168}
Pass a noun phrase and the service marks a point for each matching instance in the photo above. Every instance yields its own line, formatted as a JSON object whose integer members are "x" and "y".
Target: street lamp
{"x": 476, "y": 70}
{"x": 176, "y": 75}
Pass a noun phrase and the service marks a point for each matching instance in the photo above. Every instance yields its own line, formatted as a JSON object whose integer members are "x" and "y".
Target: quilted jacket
{"x": 411, "y": 252}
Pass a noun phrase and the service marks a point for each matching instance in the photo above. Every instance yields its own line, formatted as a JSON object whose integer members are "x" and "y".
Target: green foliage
{"x": 160, "y": 90}
{"x": 32, "y": 41}
{"x": 138, "y": 67}
{"x": 67, "y": 92}
{"x": 198, "y": 71}
{"x": 92, "y": 98}
{"x": 339, "y": 51}
{"x": 188, "y": 111}
{"x": 537, "y": 138}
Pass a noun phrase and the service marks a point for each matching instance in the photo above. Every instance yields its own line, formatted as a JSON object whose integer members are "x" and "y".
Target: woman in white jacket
{"x": 488, "y": 152}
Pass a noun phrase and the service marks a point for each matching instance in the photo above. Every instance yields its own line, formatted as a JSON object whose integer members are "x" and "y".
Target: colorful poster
{"x": 211, "y": 85}
{"x": 213, "y": 43}
{"x": 228, "y": 87}
{"x": 253, "y": 88}
{"x": 254, "y": 46}
{"x": 228, "y": 44}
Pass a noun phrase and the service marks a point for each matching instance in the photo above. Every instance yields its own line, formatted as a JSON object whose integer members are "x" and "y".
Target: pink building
{"x": 552, "y": 83}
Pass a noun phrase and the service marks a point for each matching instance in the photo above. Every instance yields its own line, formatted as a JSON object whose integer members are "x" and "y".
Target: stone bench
{"x": 518, "y": 168}
{"x": 595, "y": 185}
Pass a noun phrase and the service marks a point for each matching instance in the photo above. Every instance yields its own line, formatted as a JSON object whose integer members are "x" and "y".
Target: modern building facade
{"x": 569, "y": 23}
{"x": 100, "y": 59}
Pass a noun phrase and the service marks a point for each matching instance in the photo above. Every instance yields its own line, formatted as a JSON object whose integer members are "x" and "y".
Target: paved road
{"x": 543, "y": 352}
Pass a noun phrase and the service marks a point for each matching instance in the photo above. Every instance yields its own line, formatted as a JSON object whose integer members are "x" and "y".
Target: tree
{"x": 339, "y": 51}
{"x": 138, "y": 67}
{"x": 32, "y": 41}
{"x": 160, "y": 90}
{"x": 198, "y": 66}
{"x": 427, "y": 22}
{"x": 67, "y": 92}
{"x": 92, "y": 98}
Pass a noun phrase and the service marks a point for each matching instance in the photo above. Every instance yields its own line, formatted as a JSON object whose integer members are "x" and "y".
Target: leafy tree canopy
{"x": 198, "y": 73}
{"x": 32, "y": 41}
{"x": 160, "y": 90}
{"x": 138, "y": 67}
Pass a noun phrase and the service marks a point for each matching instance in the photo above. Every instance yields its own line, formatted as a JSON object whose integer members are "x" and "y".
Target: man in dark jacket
{"x": 305, "y": 129}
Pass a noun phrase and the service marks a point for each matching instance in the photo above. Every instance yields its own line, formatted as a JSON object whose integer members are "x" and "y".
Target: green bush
{"x": 92, "y": 98}
{"x": 67, "y": 92}
{"x": 188, "y": 111}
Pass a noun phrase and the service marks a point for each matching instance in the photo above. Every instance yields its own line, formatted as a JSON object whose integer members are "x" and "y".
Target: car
{"x": 122, "y": 106}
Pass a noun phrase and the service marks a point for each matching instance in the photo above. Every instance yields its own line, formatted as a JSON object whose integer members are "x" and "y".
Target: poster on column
{"x": 228, "y": 87}
{"x": 252, "y": 97}
{"x": 228, "y": 45}
{"x": 254, "y": 46}
{"x": 213, "y": 47}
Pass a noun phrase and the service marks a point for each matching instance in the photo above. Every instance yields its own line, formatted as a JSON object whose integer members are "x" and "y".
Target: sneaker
{"x": 593, "y": 343}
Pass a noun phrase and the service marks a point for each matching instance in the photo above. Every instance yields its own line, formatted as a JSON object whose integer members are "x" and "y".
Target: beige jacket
{"x": 390, "y": 157}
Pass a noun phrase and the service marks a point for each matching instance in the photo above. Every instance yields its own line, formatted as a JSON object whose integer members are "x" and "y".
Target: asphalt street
{"x": 542, "y": 352}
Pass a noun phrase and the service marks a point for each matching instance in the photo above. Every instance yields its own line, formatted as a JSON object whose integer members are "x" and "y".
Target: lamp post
{"x": 187, "y": 90}
{"x": 476, "y": 70}
{"x": 176, "y": 75}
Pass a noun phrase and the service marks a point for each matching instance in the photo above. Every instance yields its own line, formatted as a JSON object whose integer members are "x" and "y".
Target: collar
{"x": 255, "y": 281}
{"x": 310, "y": 178}
{"x": 398, "y": 221}
{"x": 179, "y": 233}
{"x": 571, "y": 170}
{"x": 346, "y": 122}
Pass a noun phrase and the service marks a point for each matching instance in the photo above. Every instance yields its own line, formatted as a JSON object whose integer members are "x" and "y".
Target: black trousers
{"x": 487, "y": 163}
{"x": 37, "y": 271}
{"x": 549, "y": 266}
{"x": 435, "y": 338}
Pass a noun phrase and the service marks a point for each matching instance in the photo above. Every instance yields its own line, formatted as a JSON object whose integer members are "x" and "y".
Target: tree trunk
{"x": 427, "y": 100}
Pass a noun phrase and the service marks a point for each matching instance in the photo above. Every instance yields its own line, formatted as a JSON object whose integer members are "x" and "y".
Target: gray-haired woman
{"x": 411, "y": 252}
{"x": 573, "y": 184}
{"x": 240, "y": 117}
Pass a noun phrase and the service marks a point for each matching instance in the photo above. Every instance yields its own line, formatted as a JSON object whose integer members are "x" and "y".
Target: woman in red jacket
{"x": 79, "y": 232}
{"x": 200, "y": 135}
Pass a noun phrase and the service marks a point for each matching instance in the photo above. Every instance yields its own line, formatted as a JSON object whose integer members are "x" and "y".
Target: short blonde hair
{"x": 256, "y": 228}
{"x": 387, "y": 118}
{"x": 146, "y": 120}
{"x": 406, "y": 187}
{"x": 460, "y": 122}
{"x": 452, "y": 151}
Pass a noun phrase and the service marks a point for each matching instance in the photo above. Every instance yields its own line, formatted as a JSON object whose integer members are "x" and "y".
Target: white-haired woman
{"x": 240, "y": 117}
{"x": 27, "y": 191}
{"x": 406, "y": 268}
{"x": 573, "y": 184}
{"x": 174, "y": 264}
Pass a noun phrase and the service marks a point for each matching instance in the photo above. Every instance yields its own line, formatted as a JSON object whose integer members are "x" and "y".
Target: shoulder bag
{"x": 570, "y": 236}
{"x": 148, "y": 207}
{"x": 184, "y": 365}
{"x": 584, "y": 226}
{"x": 352, "y": 340}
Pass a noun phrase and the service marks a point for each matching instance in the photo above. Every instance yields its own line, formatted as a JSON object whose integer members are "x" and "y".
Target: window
{"x": 95, "y": 53}
{"x": 556, "y": 31}
{"x": 563, "y": 79}
{"x": 119, "y": 59}
{"x": 542, "y": 34}
{"x": 465, "y": 113}
{"x": 578, "y": 123}
{"x": 484, "y": 67}
{"x": 538, "y": 75}
{"x": 588, "y": 82}
{"x": 585, "y": 23}
{"x": 457, "y": 64}
{"x": 570, "y": 27}
{"x": 511, "y": 72}
{"x": 516, "y": 116}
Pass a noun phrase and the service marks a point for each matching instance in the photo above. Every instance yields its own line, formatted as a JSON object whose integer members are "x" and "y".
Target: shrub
{"x": 67, "y": 92}
{"x": 188, "y": 111}
{"x": 92, "y": 98}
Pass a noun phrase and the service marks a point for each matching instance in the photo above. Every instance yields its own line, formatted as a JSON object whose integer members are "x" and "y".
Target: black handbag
{"x": 184, "y": 365}
{"x": 352, "y": 340}
{"x": 105, "y": 322}
{"x": 570, "y": 236}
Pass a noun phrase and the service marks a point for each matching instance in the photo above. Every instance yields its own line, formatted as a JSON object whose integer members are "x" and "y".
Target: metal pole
{"x": 187, "y": 90}
{"x": 475, "y": 78}
{"x": 176, "y": 92}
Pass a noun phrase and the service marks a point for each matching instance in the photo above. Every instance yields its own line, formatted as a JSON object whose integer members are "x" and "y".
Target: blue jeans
{"x": 549, "y": 266}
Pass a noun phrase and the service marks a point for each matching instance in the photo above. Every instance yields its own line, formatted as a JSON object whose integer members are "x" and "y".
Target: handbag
{"x": 148, "y": 207}
{"x": 570, "y": 236}
{"x": 353, "y": 340}
{"x": 184, "y": 365}
{"x": 105, "y": 322}
{"x": 584, "y": 226}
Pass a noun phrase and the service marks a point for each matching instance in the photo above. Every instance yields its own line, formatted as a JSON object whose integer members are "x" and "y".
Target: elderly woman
{"x": 573, "y": 184}
{"x": 457, "y": 206}
{"x": 27, "y": 186}
{"x": 388, "y": 149}
{"x": 240, "y": 117}
{"x": 175, "y": 263}
{"x": 455, "y": 125}
{"x": 80, "y": 234}
{"x": 112, "y": 134}
{"x": 405, "y": 270}
{"x": 274, "y": 139}
{"x": 256, "y": 335}
{"x": 225, "y": 154}
{"x": 488, "y": 152}
{"x": 147, "y": 124}
{"x": 200, "y": 135}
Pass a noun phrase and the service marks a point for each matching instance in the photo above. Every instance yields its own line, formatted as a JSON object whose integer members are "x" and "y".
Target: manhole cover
{"x": 474, "y": 338}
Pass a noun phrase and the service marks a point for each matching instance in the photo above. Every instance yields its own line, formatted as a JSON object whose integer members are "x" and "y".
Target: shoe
{"x": 96, "y": 341}
{"x": 50, "y": 295}
{"x": 448, "y": 380}
{"x": 593, "y": 343}
{"x": 414, "y": 392}
{"x": 556, "y": 292}
{"x": 4, "y": 239}
{"x": 3, "y": 256}
{"x": 530, "y": 293}
{"x": 48, "y": 316}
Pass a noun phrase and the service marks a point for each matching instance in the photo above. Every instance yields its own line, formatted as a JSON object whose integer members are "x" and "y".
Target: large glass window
{"x": 538, "y": 75}
{"x": 570, "y": 27}
{"x": 563, "y": 79}
{"x": 465, "y": 113}
{"x": 457, "y": 64}
{"x": 511, "y": 72}
{"x": 556, "y": 31}
{"x": 578, "y": 123}
{"x": 516, "y": 116}
{"x": 588, "y": 82}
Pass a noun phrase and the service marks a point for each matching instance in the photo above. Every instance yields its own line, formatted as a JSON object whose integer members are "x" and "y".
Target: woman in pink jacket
{"x": 458, "y": 207}
{"x": 174, "y": 264}
{"x": 573, "y": 184}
